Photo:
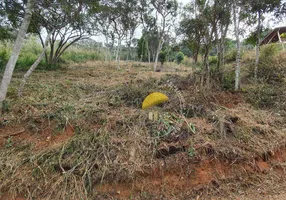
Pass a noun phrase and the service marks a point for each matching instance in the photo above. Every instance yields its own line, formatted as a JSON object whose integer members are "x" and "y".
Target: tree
{"x": 123, "y": 18}
{"x": 68, "y": 22}
{"x": 162, "y": 57}
{"x": 142, "y": 49}
{"x": 15, "y": 53}
{"x": 223, "y": 12}
{"x": 259, "y": 8}
{"x": 165, "y": 11}
{"x": 236, "y": 21}
{"x": 191, "y": 30}
{"x": 179, "y": 57}
{"x": 11, "y": 14}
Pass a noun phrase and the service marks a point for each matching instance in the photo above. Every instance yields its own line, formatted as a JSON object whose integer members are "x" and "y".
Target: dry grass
{"x": 114, "y": 142}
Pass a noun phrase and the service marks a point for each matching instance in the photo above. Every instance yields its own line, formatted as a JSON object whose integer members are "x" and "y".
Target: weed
{"x": 9, "y": 142}
{"x": 5, "y": 106}
{"x": 191, "y": 152}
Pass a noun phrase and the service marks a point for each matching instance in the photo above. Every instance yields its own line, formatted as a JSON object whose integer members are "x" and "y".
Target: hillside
{"x": 79, "y": 133}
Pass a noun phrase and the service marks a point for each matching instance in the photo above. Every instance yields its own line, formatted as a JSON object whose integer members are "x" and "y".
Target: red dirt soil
{"x": 181, "y": 176}
{"x": 45, "y": 138}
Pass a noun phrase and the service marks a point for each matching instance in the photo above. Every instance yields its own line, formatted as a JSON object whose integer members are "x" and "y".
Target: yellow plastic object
{"x": 154, "y": 99}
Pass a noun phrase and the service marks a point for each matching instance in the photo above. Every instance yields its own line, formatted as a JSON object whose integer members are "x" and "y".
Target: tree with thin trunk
{"x": 257, "y": 9}
{"x": 165, "y": 12}
{"x": 34, "y": 66}
{"x": 70, "y": 20}
{"x": 7, "y": 76}
{"x": 236, "y": 22}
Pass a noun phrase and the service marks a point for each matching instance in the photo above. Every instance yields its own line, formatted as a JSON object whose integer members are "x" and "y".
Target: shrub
{"x": 162, "y": 57}
{"x": 268, "y": 51}
{"x": 213, "y": 60}
{"x": 283, "y": 35}
{"x": 231, "y": 55}
{"x": 179, "y": 57}
{"x": 228, "y": 80}
{"x": 265, "y": 96}
{"x": 25, "y": 60}
{"x": 4, "y": 56}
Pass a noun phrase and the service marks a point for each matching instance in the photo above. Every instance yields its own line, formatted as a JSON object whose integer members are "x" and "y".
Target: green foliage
{"x": 6, "y": 105}
{"x": 4, "y": 55}
{"x": 75, "y": 54}
{"x": 283, "y": 35}
{"x": 213, "y": 60}
{"x": 231, "y": 55}
{"x": 162, "y": 57}
{"x": 191, "y": 152}
{"x": 179, "y": 57}
{"x": 264, "y": 96}
{"x": 167, "y": 124}
{"x": 5, "y": 34}
{"x": 32, "y": 49}
{"x": 142, "y": 49}
{"x": 271, "y": 67}
{"x": 25, "y": 60}
{"x": 230, "y": 44}
{"x": 228, "y": 80}
{"x": 268, "y": 51}
{"x": 9, "y": 142}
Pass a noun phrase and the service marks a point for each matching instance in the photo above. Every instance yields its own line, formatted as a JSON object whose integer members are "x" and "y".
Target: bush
{"x": 213, "y": 60}
{"x": 268, "y": 51}
{"x": 162, "y": 57}
{"x": 231, "y": 55}
{"x": 283, "y": 35}
{"x": 4, "y": 57}
{"x": 228, "y": 80}
{"x": 25, "y": 60}
{"x": 265, "y": 96}
{"x": 271, "y": 67}
{"x": 179, "y": 57}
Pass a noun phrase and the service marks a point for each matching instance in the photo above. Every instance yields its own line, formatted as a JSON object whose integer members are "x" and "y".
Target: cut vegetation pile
{"x": 80, "y": 133}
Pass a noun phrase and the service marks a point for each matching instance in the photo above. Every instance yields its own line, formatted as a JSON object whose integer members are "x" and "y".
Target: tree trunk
{"x": 218, "y": 48}
{"x": 157, "y": 54}
{"x": 43, "y": 45}
{"x": 196, "y": 54}
{"x": 257, "y": 47}
{"x": 236, "y": 30}
{"x": 148, "y": 50}
{"x": 117, "y": 54}
{"x": 106, "y": 49}
{"x": 206, "y": 64}
{"x": 224, "y": 33}
{"x": 34, "y": 66}
{"x": 7, "y": 76}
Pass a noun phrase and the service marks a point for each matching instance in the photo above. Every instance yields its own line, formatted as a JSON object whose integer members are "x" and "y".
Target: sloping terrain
{"x": 80, "y": 133}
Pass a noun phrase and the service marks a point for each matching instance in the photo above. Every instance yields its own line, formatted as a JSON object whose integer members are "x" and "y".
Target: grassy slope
{"x": 82, "y": 127}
